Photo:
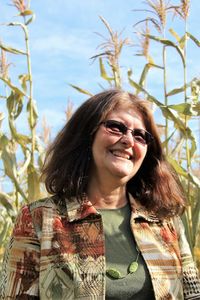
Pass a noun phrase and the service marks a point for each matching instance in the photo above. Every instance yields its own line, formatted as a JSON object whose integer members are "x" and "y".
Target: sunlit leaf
{"x": 33, "y": 114}
{"x": 182, "y": 42}
{"x": 3, "y": 233}
{"x": 103, "y": 71}
{"x": 14, "y": 104}
{"x": 22, "y": 139}
{"x": 196, "y": 220}
{"x": 183, "y": 172}
{"x": 168, "y": 43}
{"x": 177, "y": 167}
{"x": 33, "y": 183}
{"x": 175, "y": 34}
{"x": 23, "y": 79}
{"x": 145, "y": 71}
{"x": 30, "y": 20}
{"x": 13, "y": 87}
{"x": 26, "y": 163}
{"x": 9, "y": 162}
{"x": 179, "y": 90}
{"x": 23, "y": 26}
{"x": 135, "y": 85}
{"x": 196, "y": 107}
{"x": 1, "y": 118}
{"x": 81, "y": 90}
{"x": 194, "y": 39}
{"x": 6, "y": 201}
{"x": 186, "y": 109}
{"x": 11, "y": 50}
{"x": 144, "y": 74}
{"x": 165, "y": 143}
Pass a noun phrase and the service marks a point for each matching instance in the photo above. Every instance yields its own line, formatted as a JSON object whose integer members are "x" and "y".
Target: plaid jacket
{"x": 57, "y": 252}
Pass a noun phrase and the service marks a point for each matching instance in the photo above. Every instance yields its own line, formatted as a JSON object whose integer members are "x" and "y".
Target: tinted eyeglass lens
{"x": 141, "y": 136}
{"x": 115, "y": 127}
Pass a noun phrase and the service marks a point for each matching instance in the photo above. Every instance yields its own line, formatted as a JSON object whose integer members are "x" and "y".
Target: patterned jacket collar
{"x": 74, "y": 210}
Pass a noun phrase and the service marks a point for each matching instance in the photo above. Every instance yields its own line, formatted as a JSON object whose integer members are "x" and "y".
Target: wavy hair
{"x": 66, "y": 170}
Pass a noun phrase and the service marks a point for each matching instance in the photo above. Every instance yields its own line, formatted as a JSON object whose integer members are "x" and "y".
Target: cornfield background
{"x": 22, "y": 153}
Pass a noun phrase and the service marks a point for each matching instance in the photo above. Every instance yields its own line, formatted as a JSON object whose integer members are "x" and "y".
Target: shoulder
{"x": 35, "y": 212}
{"x": 44, "y": 208}
{"x": 42, "y": 203}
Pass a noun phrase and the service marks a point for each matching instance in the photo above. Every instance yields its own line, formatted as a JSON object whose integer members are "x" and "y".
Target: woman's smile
{"x": 122, "y": 154}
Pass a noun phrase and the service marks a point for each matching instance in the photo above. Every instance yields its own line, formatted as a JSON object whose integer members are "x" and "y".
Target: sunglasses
{"x": 119, "y": 129}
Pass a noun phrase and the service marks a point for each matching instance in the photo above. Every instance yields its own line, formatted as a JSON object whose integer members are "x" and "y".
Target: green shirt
{"x": 120, "y": 253}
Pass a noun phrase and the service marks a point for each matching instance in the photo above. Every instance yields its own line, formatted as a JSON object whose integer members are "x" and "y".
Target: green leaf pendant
{"x": 113, "y": 273}
{"x": 133, "y": 267}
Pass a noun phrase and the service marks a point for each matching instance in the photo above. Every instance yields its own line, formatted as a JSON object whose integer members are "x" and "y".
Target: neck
{"x": 106, "y": 196}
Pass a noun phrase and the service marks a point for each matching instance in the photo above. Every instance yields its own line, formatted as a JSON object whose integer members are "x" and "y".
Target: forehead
{"x": 128, "y": 115}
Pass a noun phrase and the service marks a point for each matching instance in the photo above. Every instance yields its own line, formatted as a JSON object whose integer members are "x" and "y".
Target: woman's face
{"x": 118, "y": 157}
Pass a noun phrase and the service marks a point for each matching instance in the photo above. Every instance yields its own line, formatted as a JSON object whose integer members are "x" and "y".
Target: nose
{"x": 128, "y": 139}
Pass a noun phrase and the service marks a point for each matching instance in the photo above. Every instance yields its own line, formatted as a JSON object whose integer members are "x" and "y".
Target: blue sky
{"x": 63, "y": 39}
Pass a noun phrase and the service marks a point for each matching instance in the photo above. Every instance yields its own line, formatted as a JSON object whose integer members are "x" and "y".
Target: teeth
{"x": 121, "y": 154}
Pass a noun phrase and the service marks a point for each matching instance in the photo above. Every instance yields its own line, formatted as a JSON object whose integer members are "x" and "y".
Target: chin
{"x": 123, "y": 175}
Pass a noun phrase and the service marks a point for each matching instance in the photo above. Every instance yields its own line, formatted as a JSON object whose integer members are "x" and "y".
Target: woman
{"x": 111, "y": 229}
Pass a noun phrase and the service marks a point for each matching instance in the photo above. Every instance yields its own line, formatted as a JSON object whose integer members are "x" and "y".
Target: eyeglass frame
{"x": 125, "y": 129}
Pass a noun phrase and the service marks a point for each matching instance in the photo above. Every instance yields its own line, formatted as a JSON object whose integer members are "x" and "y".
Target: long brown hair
{"x": 67, "y": 165}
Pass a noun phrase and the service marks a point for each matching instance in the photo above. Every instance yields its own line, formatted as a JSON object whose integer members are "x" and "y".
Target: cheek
{"x": 103, "y": 141}
{"x": 140, "y": 151}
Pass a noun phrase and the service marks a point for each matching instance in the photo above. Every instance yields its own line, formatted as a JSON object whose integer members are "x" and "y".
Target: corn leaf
{"x": 11, "y": 50}
{"x": 15, "y": 104}
{"x": 21, "y": 139}
{"x": 33, "y": 183}
{"x": 183, "y": 172}
{"x": 1, "y": 118}
{"x": 80, "y": 90}
{"x": 3, "y": 234}
{"x": 23, "y": 79}
{"x": 175, "y": 34}
{"x": 30, "y": 20}
{"x": 9, "y": 162}
{"x": 6, "y": 201}
{"x": 168, "y": 43}
{"x": 194, "y": 39}
{"x": 13, "y": 87}
{"x": 196, "y": 213}
{"x": 32, "y": 118}
{"x": 26, "y": 163}
{"x": 177, "y": 167}
{"x": 186, "y": 109}
{"x": 179, "y": 90}
{"x": 165, "y": 143}
{"x": 23, "y": 26}
{"x": 103, "y": 71}
{"x": 145, "y": 71}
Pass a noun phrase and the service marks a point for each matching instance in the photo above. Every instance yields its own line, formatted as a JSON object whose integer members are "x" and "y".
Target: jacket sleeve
{"x": 20, "y": 272}
{"x": 191, "y": 281}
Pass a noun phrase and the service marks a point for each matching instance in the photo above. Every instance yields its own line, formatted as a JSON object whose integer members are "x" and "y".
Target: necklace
{"x": 115, "y": 274}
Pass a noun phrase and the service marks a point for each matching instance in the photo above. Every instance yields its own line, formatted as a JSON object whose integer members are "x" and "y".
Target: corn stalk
{"x": 20, "y": 153}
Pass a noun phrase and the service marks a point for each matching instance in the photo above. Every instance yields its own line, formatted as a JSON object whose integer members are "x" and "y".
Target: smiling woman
{"x": 111, "y": 229}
